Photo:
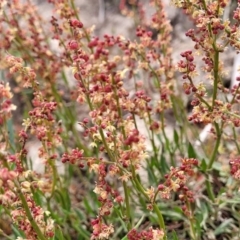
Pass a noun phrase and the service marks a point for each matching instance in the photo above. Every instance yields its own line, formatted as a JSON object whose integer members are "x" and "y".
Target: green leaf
{"x": 152, "y": 163}
{"x": 67, "y": 199}
{"x": 91, "y": 208}
{"x": 37, "y": 196}
{"x": 80, "y": 214}
{"x": 58, "y": 234}
{"x": 223, "y": 227}
{"x": 17, "y": 232}
{"x": 63, "y": 199}
{"x": 176, "y": 138}
{"x": 205, "y": 214}
{"x": 198, "y": 228}
{"x": 175, "y": 214}
{"x": 203, "y": 165}
{"x": 191, "y": 151}
{"x": 164, "y": 165}
{"x": 174, "y": 236}
{"x": 81, "y": 231}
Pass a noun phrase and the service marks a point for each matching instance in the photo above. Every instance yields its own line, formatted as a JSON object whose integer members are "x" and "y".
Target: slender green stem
{"x": 29, "y": 216}
{"x": 233, "y": 114}
{"x": 204, "y": 101}
{"x": 215, "y": 150}
{"x": 167, "y": 144}
{"x": 156, "y": 209}
{"x": 191, "y": 220}
{"x": 210, "y": 190}
{"x": 198, "y": 95}
{"x": 138, "y": 185}
{"x": 212, "y": 159}
{"x": 24, "y": 203}
{"x": 128, "y": 211}
{"x": 235, "y": 139}
{"x": 152, "y": 136}
{"x": 160, "y": 217}
{"x": 215, "y": 73}
{"x": 193, "y": 232}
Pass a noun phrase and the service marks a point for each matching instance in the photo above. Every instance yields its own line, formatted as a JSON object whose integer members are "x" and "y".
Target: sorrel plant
{"x": 120, "y": 180}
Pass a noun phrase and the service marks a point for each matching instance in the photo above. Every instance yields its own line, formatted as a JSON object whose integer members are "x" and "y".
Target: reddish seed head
{"x": 118, "y": 199}
{"x": 194, "y": 89}
{"x": 75, "y": 23}
{"x": 190, "y": 58}
{"x": 73, "y": 45}
{"x": 85, "y": 120}
{"x": 160, "y": 187}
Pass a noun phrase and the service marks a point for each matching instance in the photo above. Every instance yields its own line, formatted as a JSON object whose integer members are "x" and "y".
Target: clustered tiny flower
{"x": 176, "y": 181}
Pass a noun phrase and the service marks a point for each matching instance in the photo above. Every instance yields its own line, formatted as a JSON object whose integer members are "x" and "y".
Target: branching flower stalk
{"x": 121, "y": 180}
{"x": 215, "y": 35}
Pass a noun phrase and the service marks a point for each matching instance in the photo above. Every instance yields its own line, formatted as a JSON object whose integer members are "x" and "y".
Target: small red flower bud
{"x": 160, "y": 187}
{"x": 73, "y": 45}
{"x": 85, "y": 120}
{"x": 75, "y": 23}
